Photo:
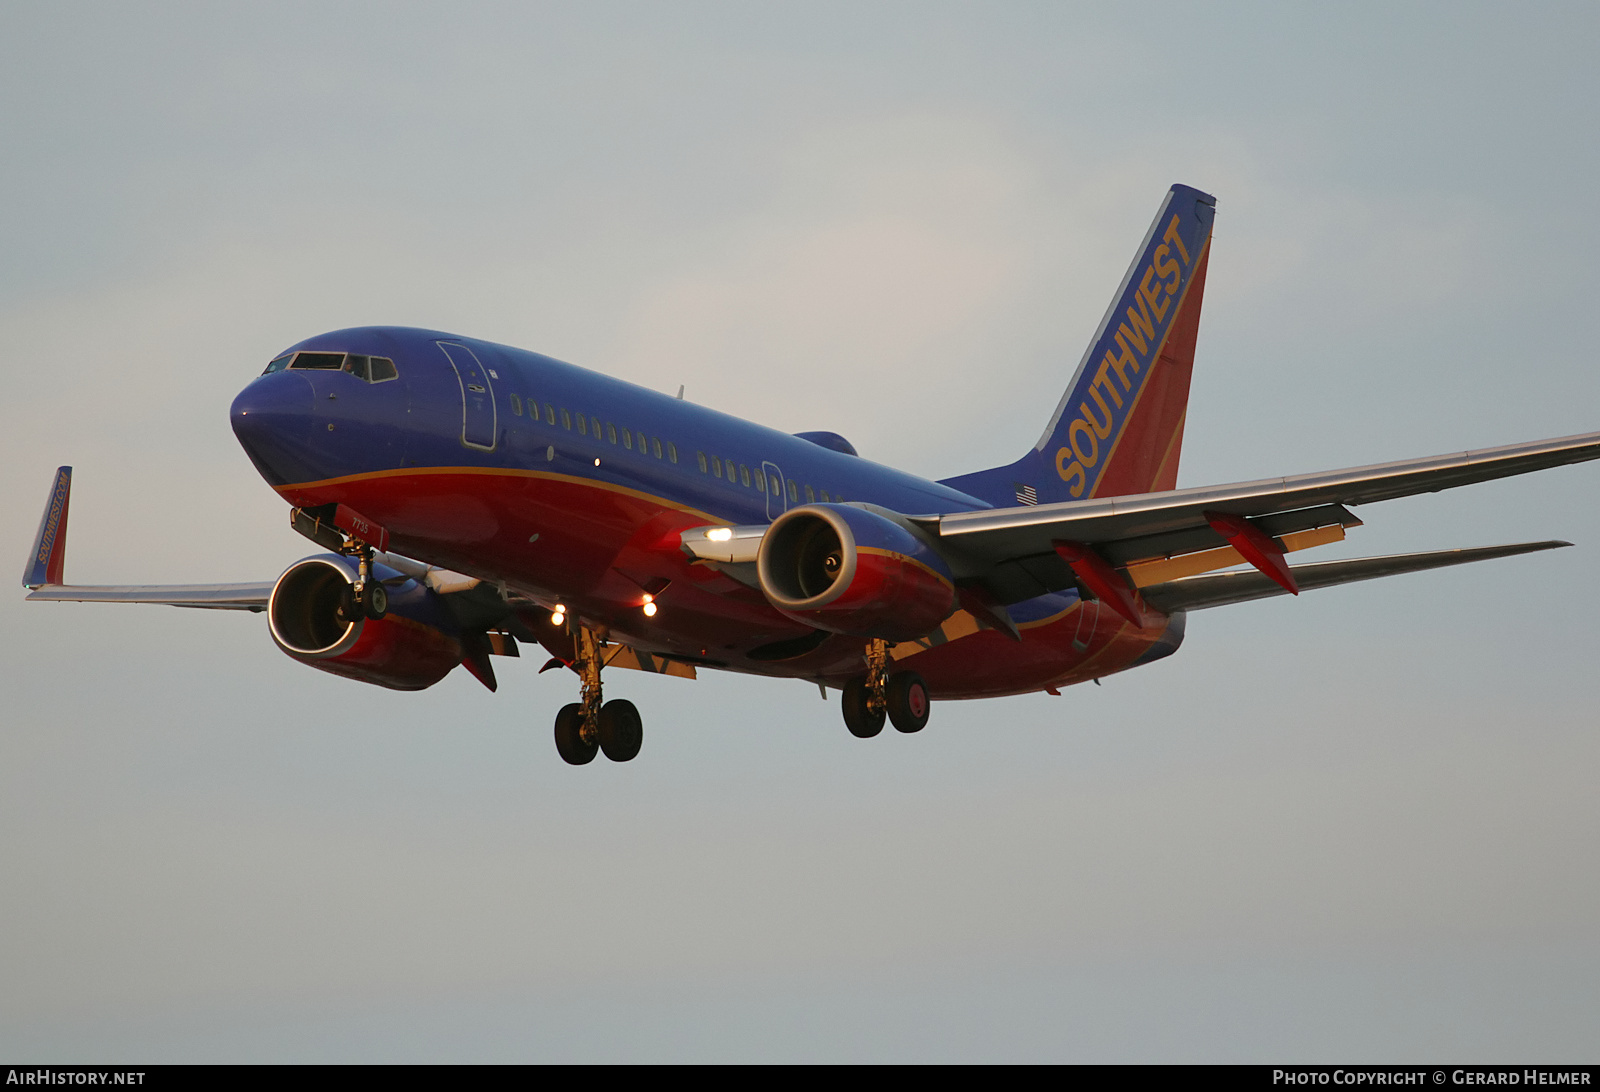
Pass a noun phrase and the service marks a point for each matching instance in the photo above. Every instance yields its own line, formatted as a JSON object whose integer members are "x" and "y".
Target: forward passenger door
{"x": 478, "y": 422}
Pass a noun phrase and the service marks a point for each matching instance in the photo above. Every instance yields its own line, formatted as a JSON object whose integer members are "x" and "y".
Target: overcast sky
{"x": 1361, "y": 824}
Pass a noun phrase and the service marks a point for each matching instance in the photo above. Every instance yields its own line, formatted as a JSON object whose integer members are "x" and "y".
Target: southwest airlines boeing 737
{"x": 473, "y": 498}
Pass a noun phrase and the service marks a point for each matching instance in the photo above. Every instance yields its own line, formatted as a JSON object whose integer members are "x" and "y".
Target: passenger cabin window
{"x": 611, "y": 433}
{"x": 549, "y": 414}
{"x": 583, "y": 425}
{"x": 594, "y": 427}
{"x": 700, "y": 457}
{"x": 566, "y": 420}
{"x": 744, "y": 475}
{"x": 716, "y": 466}
{"x": 672, "y": 452}
{"x": 627, "y": 439}
{"x": 811, "y": 496}
{"x": 655, "y": 447}
{"x": 516, "y": 405}
{"x": 794, "y": 494}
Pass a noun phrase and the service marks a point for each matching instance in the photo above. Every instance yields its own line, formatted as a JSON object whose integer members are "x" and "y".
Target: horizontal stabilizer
{"x": 1241, "y": 586}
{"x": 210, "y": 596}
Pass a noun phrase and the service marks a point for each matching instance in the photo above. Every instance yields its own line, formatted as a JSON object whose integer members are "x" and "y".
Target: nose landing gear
{"x": 367, "y": 597}
{"x": 901, "y": 697}
{"x": 589, "y": 726}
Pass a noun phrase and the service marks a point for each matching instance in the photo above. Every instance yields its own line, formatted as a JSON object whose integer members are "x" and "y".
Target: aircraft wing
{"x": 1014, "y": 548}
{"x": 251, "y": 597}
{"x": 1241, "y": 586}
{"x": 44, "y": 578}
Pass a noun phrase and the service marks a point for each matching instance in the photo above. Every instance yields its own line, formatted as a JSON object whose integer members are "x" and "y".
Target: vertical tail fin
{"x": 1119, "y": 427}
{"x": 47, "y": 563}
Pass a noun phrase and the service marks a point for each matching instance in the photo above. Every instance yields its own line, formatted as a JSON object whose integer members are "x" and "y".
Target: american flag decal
{"x": 1026, "y": 494}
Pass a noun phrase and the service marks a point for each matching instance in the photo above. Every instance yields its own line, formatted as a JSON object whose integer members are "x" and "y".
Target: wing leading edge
{"x": 251, "y": 597}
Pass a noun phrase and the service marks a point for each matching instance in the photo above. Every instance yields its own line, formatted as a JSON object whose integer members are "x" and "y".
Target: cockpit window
{"x": 373, "y": 369}
{"x": 329, "y": 361}
{"x": 369, "y": 369}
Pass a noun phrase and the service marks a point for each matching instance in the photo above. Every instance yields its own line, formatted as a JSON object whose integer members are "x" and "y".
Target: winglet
{"x": 48, "y": 560}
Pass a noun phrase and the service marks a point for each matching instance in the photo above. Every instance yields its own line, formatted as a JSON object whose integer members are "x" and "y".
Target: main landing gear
{"x": 589, "y": 726}
{"x": 901, "y": 697}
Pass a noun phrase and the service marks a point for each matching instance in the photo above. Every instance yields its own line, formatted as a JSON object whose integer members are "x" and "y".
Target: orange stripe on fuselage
{"x": 290, "y": 494}
{"x": 909, "y": 560}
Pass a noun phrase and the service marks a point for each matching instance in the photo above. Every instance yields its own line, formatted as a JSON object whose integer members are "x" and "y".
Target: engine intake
{"x": 850, "y": 570}
{"x": 311, "y": 617}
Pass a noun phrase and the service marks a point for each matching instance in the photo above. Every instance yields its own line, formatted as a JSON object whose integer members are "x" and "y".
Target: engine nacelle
{"x": 850, "y": 570}
{"x": 411, "y": 647}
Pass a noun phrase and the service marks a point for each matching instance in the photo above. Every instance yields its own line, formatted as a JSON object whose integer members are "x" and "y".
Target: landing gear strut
{"x": 372, "y": 598}
{"x": 901, "y": 697}
{"x": 367, "y": 597}
{"x": 591, "y": 725}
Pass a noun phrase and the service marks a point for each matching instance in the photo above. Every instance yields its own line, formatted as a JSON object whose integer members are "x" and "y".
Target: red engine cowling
{"x": 412, "y": 647}
{"x": 853, "y": 571}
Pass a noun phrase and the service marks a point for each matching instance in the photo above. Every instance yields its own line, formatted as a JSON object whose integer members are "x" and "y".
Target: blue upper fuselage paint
{"x": 302, "y": 426}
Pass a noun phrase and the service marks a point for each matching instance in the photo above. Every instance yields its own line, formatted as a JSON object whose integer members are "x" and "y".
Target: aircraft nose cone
{"x": 272, "y": 420}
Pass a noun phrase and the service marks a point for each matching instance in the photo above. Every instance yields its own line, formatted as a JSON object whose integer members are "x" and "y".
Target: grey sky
{"x": 1360, "y": 824}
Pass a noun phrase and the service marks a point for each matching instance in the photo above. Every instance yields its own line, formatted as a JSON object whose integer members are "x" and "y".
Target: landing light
{"x": 649, "y": 610}
{"x": 558, "y": 617}
{"x": 720, "y": 534}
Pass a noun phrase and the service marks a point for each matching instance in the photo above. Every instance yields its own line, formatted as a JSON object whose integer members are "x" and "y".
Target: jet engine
{"x": 853, "y": 571}
{"x": 313, "y": 618}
